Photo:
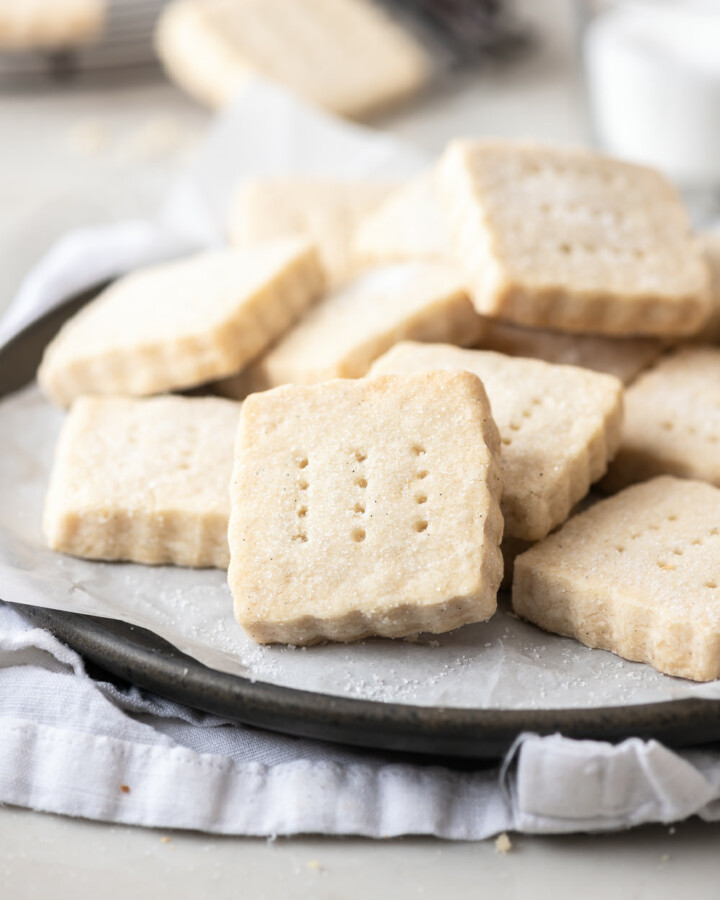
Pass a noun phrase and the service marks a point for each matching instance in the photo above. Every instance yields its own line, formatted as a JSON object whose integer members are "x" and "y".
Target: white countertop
{"x": 80, "y": 156}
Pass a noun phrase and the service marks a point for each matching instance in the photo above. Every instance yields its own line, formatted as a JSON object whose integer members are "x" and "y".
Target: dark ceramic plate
{"x": 138, "y": 656}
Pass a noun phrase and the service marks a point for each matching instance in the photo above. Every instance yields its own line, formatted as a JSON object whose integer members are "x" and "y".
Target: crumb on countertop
{"x": 503, "y": 844}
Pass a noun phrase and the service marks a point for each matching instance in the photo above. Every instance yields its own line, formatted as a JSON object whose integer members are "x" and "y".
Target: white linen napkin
{"x": 72, "y": 745}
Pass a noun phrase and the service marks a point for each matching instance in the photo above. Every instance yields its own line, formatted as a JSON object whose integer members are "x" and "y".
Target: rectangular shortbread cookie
{"x": 182, "y": 323}
{"x": 625, "y": 358}
{"x": 325, "y": 211}
{"x": 638, "y": 574}
{"x": 559, "y": 427}
{"x": 365, "y": 507}
{"x": 570, "y": 240}
{"x": 409, "y": 224}
{"x": 672, "y": 421}
{"x": 347, "y": 56}
{"x": 143, "y": 480}
{"x": 357, "y": 322}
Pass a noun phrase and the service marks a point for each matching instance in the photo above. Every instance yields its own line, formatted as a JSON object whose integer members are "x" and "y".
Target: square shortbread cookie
{"x": 347, "y": 56}
{"x": 625, "y": 358}
{"x": 357, "y": 322}
{"x": 638, "y": 574}
{"x": 365, "y": 507}
{"x": 672, "y": 421}
{"x": 570, "y": 240}
{"x": 143, "y": 480}
{"x": 325, "y": 211}
{"x": 409, "y": 224}
{"x": 559, "y": 426}
{"x": 182, "y": 323}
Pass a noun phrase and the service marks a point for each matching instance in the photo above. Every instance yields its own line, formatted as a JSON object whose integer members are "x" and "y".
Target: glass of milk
{"x": 653, "y": 77}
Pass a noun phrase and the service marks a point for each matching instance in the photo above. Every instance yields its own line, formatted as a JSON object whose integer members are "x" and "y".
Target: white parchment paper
{"x": 504, "y": 663}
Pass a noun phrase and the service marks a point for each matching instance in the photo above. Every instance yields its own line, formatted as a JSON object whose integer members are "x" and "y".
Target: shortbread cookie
{"x": 570, "y": 240}
{"x": 710, "y": 332}
{"x": 47, "y": 24}
{"x": 625, "y": 358}
{"x": 559, "y": 427}
{"x": 672, "y": 421}
{"x": 365, "y": 507}
{"x": 638, "y": 574}
{"x": 325, "y": 211}
{"x": 410, "y": 224}
{"x": 347, "y": 56}
{"x": 144, "y": 480}
{"x": 342, "y": 335}
{"x": 182, "y": 323}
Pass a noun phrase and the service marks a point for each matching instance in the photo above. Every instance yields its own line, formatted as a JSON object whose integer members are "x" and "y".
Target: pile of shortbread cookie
{"x": 416, "y": 381}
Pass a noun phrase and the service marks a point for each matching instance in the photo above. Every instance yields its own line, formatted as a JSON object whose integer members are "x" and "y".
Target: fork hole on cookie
{"x": 360, "y": 456}
{"x": 420, "y": 499}
{"x": 672, "y": 517}
{"x": 506, "y": 441}
{"x": 420, "y": 526}
{"x": 418, "y": 450}
{"x": 711, "y": 584}
{"x": 302, "y": 512}
{"x": 303, "y": 462}
{"x": 620, "y": 549}
{"x": 667, "y": 426}
{"x": 359, "y": 508}
{"x": 302, "y": 484}
{"x": 361, "y": 482}
{"x": 358, "y": 535}
{"x": 300, "y": 537}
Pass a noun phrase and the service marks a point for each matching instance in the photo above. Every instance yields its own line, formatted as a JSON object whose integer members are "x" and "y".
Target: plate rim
{"x": 143, "y": 658}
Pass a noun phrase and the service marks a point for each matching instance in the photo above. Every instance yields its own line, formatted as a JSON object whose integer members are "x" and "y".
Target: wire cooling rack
{"x": 458, "y": 33}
